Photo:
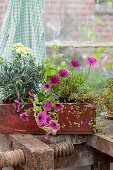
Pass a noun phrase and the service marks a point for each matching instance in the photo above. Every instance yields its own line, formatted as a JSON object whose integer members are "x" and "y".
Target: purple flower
{"x": 91, "y": 61}
{"x": 54, "y": 80}
{"x": 54, "y": 125}
{"x": 58, "y": 106}
{"x": 18, "y": 106}
{"x": 46, "y": 124}
{"x": 47, "y": 86}
{"x": 48, "y": 118}
{"x": 48, "y": 133}
{"x": 47, "y": 105}
{"x": 75, "y": 63}
{"x": 32, "y": 95}
{"x": 63, "y": 73}
{"x": 41, "y": 118}
{"x": 24, "y": 116}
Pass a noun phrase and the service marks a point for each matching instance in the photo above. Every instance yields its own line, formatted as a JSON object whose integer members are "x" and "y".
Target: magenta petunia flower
{"x": 76, "y": 63}
{"x": 58, "y": 106}
{"x": 54, "y": 80}
{"x": 54, "y": 125}
{"x": 24, "y": 116}
{"x": 32, "y": 95}
{"x": 18, "y": 106}
{"x": 63, "y": 73}
{"x": 46, "y": 124}
{"x": 48, "y": 133}
{"x": 41, "y": 118}
{"x": 48, "y": 118}
{"x": 47, "y": 86}
{"x": 91, "y": 61}
{"x": 47, "y": 105}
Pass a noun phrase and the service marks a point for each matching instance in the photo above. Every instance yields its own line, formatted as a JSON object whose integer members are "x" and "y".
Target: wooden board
{"x": 10, "y": 121}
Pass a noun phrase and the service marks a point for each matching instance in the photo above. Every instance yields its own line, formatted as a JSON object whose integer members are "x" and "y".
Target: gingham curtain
{"x": 23, "y": 23}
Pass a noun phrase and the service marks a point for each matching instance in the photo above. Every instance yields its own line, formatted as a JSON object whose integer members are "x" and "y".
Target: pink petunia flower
{"x": 63, "y": 73}
{"x": 41, "y": 118}
{"x": 18, "y": 106}
{"x": 58, "y": 106}
{"x": 48, "y": 118}
{"x": 91, "y": 61}
{"x": 47, "y": 86}
{"x": 32, "y": 95}
{"x": 47, "y": 105}
{"x": 54, "y": 80}
{"x": 54, "y": 125}
{"x": 48, "y": 133}
{"x": 76, "y": 63}
{"x": 24, "y": 116}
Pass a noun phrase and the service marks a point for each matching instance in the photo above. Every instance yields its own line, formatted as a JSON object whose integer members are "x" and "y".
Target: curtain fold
{"x": 23, "y": 23}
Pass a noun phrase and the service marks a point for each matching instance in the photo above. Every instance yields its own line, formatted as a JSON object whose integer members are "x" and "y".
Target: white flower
{"x": 29, "y": 51}
{"x": 17, "y": 45}
{"x": 20, "y": 49}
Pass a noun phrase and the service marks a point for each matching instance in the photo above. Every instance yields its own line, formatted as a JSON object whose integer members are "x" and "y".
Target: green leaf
{"x": 99, "y": 51}
{"x": 98, "y": 20}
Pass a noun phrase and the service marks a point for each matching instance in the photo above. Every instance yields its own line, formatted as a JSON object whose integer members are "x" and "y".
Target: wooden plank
{"x": 74, "y": 120}
{"x": 76, "y": 44}
{"x": 103, "y": 143}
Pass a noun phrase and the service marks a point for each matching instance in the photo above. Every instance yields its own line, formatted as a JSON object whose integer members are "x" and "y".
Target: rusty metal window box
{"x": 103, "y": 7}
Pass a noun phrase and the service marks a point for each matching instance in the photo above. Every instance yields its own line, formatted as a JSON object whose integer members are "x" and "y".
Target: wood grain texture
{"x": 10, "y": 121}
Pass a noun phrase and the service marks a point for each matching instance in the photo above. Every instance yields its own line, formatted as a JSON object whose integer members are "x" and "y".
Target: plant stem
{"x": 87, "y": 74}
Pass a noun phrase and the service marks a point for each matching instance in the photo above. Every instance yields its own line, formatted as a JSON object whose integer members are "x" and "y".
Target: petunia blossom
{"x": 48, "y": 118}
{"x": 58, "y": 106}
{"x": 24, "y": 116}
{"x": 41, "y": 118}
{"x": 91, "y": 61}
{"x": 54, "y": 125}
{"x": 47, "y": 105}
{"x": 32, "y": 95}
{"x": 47, "y": 86}
{"x": 63, "y": 73}
{"x": 18, "y": 106}
{"x": 54, "y": 80}
{"x": 48, "y": 133}
{"x": 76, "y": 63}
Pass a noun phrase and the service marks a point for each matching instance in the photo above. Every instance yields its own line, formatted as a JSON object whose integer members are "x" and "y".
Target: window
{"x": 103, "y": 7}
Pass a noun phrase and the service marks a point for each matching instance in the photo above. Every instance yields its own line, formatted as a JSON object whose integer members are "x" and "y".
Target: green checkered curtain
{"x": 23, "y": 23}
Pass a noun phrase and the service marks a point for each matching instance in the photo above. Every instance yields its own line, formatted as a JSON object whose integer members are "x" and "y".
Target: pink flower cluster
{"x": 55, "y": 80}
{"x": 45, "y": 119}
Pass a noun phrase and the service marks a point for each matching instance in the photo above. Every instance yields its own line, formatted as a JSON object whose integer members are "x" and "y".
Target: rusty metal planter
{"x": 74, "y": 119}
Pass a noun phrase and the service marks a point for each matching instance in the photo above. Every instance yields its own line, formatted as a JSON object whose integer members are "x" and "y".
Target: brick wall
{"x": 63, "y": 20}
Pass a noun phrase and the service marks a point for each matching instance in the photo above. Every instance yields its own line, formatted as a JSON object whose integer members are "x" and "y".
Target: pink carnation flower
{"x": 91, "y": 61}
{"x": 76, "y": 63}
{"x": 54, "y": 80}
{"x": 63, "y": 73}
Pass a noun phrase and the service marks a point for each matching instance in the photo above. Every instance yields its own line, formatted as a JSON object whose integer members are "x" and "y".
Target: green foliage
{"x": 73, "y": 88}
{"x": 99, "y": 51}
{"x": 50, "y": 68}
{"x": 19, "y": 77}
{"x": 89, "y": 34}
